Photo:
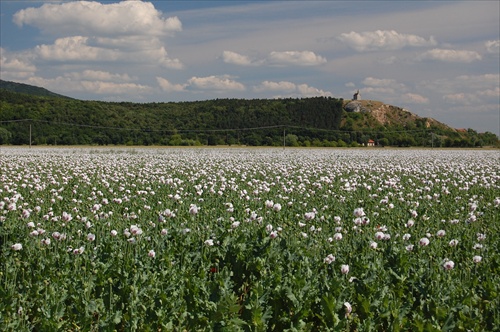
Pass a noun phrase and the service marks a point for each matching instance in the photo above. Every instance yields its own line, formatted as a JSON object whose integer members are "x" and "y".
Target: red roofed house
{"x": 370, "y": 143}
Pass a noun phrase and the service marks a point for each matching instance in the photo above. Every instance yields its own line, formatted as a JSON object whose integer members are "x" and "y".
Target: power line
{"x": 215, "y": 130}
{"x": 20, "y": 120}
{"x": 142, "y": 129}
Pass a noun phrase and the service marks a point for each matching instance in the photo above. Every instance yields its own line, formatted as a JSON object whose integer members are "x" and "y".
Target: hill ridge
{"x": 388, "y": 114}
{"x": 316, "y": 121}
{"x": 28, "y": 89}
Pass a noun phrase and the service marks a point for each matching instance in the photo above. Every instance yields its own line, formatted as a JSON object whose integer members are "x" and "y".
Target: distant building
{"x": 370, "y": 143}
{"x": 356, "y": 96}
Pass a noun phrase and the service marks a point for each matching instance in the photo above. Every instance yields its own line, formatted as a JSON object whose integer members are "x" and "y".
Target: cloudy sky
{"x": 438, "y": 59}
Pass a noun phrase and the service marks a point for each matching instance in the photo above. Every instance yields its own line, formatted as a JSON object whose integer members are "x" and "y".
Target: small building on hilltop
{"x": 356, "y": 96}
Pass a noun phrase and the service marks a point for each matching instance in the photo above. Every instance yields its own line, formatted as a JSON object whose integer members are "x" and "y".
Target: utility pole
{"x": 284, "y": 143}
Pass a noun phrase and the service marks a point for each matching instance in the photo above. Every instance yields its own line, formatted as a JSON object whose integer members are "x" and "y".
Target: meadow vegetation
{"x": 249, "y": 240}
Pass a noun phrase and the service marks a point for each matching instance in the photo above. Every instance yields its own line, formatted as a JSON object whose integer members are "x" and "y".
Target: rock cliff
{"x": 388, "y": 115}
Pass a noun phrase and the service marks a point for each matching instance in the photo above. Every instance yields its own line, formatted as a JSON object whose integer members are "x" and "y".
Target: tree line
{"x": 317, "y": 121}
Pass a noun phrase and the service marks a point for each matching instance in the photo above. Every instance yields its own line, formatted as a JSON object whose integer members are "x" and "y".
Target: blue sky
{"x": 438, "y": 59}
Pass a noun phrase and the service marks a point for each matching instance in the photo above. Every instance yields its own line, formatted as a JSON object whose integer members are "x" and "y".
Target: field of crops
{"x": 98, "y": 239}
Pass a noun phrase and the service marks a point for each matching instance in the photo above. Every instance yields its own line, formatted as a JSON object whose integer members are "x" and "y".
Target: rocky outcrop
{"x": 356, "y": 106}
{"x": 388, "y": 115}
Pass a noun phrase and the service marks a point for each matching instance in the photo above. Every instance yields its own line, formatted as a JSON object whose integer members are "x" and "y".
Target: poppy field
{"x": 235, "y": 239}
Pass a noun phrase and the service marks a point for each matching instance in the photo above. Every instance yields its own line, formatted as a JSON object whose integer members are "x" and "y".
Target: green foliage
{"x": 317, "y": 121}
{"x": 60, "y": 121}
{"x": 5, "y": 136}
{"x": 246, "y": 279}
{"x": 28, "y": 89}
{"x": 291, "y": 140}
{"x": 383, "y": 141}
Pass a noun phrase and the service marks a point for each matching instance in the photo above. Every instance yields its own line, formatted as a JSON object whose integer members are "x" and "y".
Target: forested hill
{"x": 28, "y": 89}
{"x": 318, "y": 121}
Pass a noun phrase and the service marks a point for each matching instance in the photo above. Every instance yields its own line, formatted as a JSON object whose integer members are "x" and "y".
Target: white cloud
{"x": 461, "y": 56}
{"x": 84, "y": 49}
{"x": 383, "y": 40}
{"x": 492, "y": 46}
{"x": 74, "y": 48}
{"x": 112, "y": 88}
{"x": 68, "y": 84}
{"x": 127, "y": 43}
{"x": 93, "y": 18}
{"x": 169, "y": 87}
{"x": 276, "y": 86}
{"x": 159, "y": 56}
{"x": 467, "y": 89}
{"x": 383, "y": 83}
{"x": 15, "y": 66}
{"x": 292, "y": 89}
{"x": 295, "y": 58}
{"x": 309, "y": 91}
{"x": 461, "y": 98}
{"x": 389, "y": 60}
{"x": 460, "y": 83}
{"x": 300, "y": 58}
{"x": 218, "y": 83}
{"x": 127, "y": 31}
{"x": 236, "y": 58}
{"x": 99, "y": 75}
{"x": 473, "y": 97}
{"x": 490, "y": 93}
{"x": 391, "y": 91}
{"x": 379, "y": 93}
{"x": 480, "y": 80}
{"x": 413, "y": 98}
{"x": 140, "y": 49}
{"x": 226, "y": 83}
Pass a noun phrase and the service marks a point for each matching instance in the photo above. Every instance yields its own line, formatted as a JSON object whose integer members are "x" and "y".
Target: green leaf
{"x": 449, "y": 324}
{"x": 117, "y": 317}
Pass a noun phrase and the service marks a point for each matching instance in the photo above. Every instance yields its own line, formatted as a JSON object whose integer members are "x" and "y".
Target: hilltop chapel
{"x": 356, "y": 96}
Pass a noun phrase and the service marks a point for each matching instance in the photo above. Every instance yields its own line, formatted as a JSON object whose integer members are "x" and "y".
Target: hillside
{"x": 319, "y": 121}
{"x": 388, "y": 115}
{"x": 28, "y": 89}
